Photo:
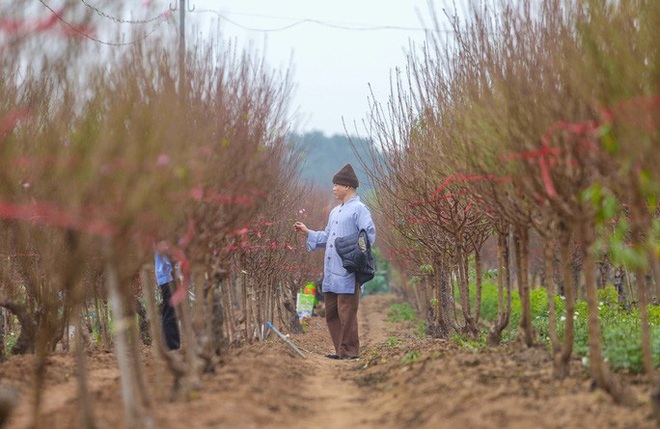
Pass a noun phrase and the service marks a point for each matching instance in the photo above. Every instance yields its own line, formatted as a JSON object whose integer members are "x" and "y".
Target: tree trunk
{"x": 102, "y": 317}
{"x": 268, "y": 306}
{"x": 620, "y": 284}
{"x": 654, "y": 262}
{"x": 503, "y": 278}
{"x": 202, "y": 319}
{"x": 137, "y": 366}
{"x": 599, "y": 370}
{"x": 647, "y": 356}
{"x": 452, "y": 282}
{"x": 464, "y": 288}
{"x": 446, "y": 297}
{"x": 25, "y": 342}
{"x": 86, "y": 410}
{"x": 418, "y": 300}
{"x": 3, "y": 329}
{"x": 479, "y": 280}
{"x": 173, "y": 361}
{"x": 246, "y": 305}
{"x": 436, "y": 318}
{"x": 294, "y": 321}
{"x": 259, "y": 308}
{"x": 192, "y": 381}
{"x": 141, "y": 311}
{"x": 42, "y": 351}
{"x": 133, "y": 413}
{"x": 561, "y": 360}
{"x": 548, "y": 258}
{"x": 521, "y": 240}
{"x": 641, "y": 225}
{"x": 604, "y": 273}
{"x": 218, "y": 324}
{"x": 229, "y": 308}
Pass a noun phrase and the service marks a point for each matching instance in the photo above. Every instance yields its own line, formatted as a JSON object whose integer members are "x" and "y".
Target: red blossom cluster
{"x": 637, "y": 112}
{"x": 26, "y": 27}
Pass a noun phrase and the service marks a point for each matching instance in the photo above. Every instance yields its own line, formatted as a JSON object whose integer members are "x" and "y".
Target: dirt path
{"x": 404, "y": 382}
{"x": 332, "y": 383}
{"x": 399, "y": 382}
{"x": 56, "y": 397}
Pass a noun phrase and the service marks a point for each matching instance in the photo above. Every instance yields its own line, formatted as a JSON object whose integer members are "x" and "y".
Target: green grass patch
{"x": 620, "y": 327}
{"x": 401, "y": 312}
{"x": 410, "y": 357}
{"x": 393, "y": 342}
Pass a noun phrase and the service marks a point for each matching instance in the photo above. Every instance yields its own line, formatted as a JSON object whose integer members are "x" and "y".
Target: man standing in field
{"x": 340, "y": 288}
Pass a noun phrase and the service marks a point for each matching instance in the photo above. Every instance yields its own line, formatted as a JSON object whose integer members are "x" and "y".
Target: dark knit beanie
{"x": 346, "y": 176}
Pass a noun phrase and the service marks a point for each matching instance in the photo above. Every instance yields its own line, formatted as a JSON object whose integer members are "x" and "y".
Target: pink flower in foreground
{"x": 197, "y": 193}
{"x": 163, "y": 160}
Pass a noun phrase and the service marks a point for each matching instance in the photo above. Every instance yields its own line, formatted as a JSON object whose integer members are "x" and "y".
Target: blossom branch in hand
{"x": 301, "y": 228}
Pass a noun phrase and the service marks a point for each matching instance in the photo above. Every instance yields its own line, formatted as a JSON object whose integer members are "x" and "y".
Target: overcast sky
{"x": 337, "y": 50}
{"x": 332, "y": 66}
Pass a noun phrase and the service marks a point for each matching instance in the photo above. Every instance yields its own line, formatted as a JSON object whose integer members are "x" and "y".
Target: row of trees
{"x": 533, "y": 118}
{"x": 105, "y": 159}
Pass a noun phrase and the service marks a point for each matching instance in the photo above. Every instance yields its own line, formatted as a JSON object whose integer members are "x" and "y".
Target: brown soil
{"x": 399, "y": 382}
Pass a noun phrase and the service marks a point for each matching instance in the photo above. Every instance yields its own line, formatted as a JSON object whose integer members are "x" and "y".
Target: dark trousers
{"x": 170, "y": 323}
{"x": 341, "y": 316}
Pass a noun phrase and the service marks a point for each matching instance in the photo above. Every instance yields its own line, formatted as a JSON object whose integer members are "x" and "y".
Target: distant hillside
{"x": 324, "y": 156}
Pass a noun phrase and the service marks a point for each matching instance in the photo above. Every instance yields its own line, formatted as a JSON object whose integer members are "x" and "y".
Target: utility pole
{"x": 182, "y": 44}
{"x": 182, "y": 41}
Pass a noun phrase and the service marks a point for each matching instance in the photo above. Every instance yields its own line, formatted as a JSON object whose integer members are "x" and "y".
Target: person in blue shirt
{"x": 340, "y": 288}
{"x": 165, "y": 280}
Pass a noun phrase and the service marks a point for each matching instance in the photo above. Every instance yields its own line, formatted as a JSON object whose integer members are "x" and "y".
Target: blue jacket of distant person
{"x": 163, "y": 269}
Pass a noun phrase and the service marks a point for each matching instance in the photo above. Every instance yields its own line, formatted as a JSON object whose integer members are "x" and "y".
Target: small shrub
{"x": 538, "y": 302}
{"x": 654, "y": 315}
{"x": 620, "y": 327}
{"x": 410, "y": 357}
{"x": 488, "y": 300}
{"x": 11, "y": 341}
{"x": 420, "y": 329}
{"x": 401, "y": 312}
{"x": 470, "y": 343}
{"x": 373, "y": 354}
{"x": 393, "y": 342}
{"x": 622, "y": 345}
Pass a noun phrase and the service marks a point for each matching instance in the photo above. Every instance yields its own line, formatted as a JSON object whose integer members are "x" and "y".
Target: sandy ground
{"x": 399, "y": 382}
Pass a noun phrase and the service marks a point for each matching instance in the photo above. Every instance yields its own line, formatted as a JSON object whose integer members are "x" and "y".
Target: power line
{"x": 160, "y": 16}
{"x": 336, "y": 25}
{"x": 92, "y": 38}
